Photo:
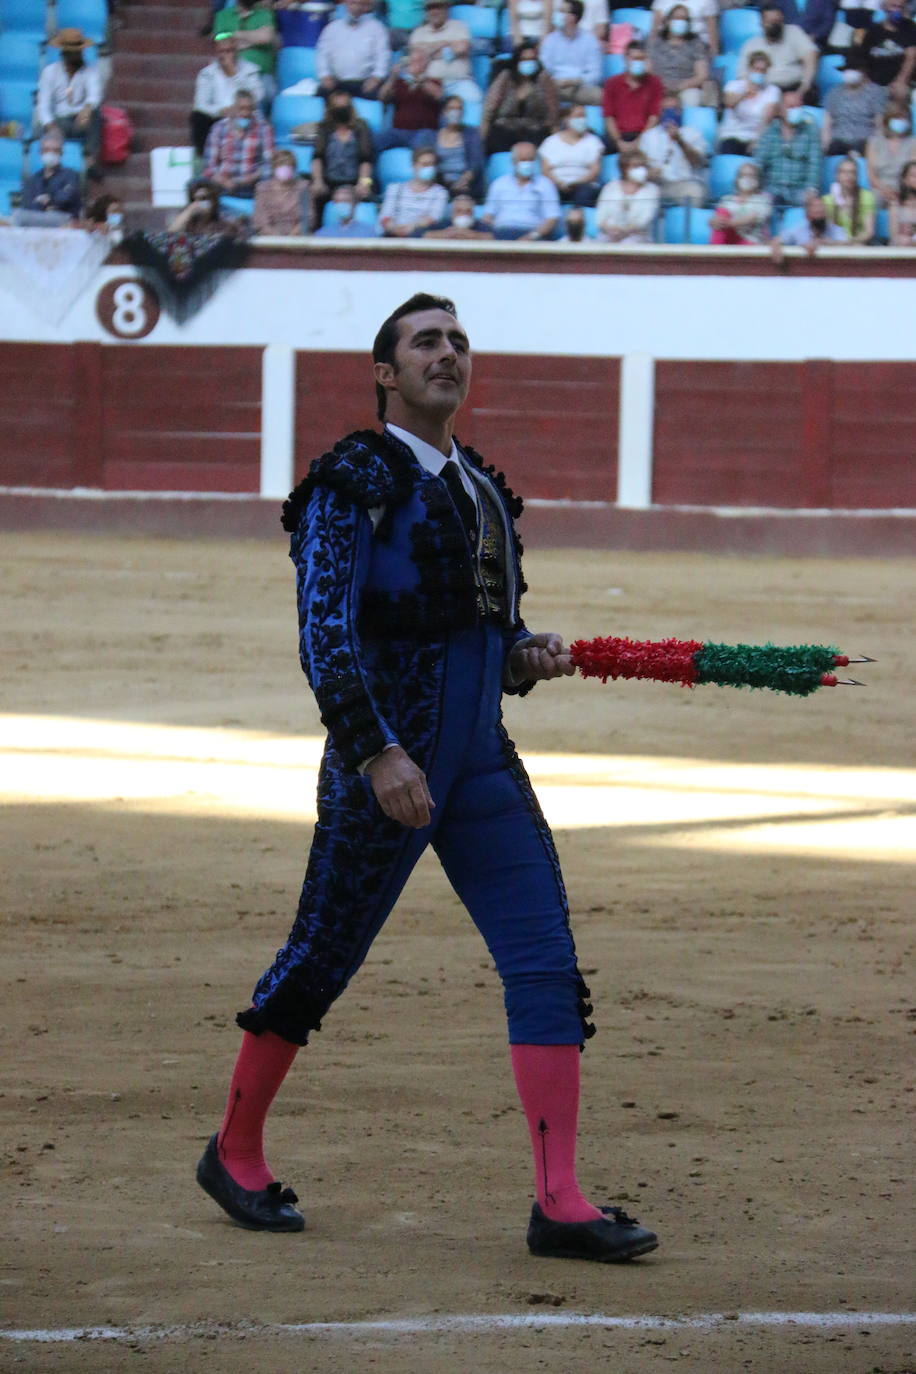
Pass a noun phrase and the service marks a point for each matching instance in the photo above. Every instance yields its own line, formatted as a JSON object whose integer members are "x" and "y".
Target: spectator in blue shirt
{"x": 572, "y": 56}
{"x": 342, "y": 224}
{"x": 523, "y": 204}
{"x": 54, "y": 191}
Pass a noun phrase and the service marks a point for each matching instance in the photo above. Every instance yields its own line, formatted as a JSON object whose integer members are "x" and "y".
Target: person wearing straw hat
{"x": 70, "y": 92}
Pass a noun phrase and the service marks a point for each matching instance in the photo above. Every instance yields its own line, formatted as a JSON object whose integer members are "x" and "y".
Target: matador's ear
{"x": 385, "y": 375}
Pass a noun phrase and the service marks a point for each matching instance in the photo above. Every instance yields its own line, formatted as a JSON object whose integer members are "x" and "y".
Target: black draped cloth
{"x": 187, "y": 268}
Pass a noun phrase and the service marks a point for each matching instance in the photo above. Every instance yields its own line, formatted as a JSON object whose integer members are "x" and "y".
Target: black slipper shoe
{"x": 263, "y": 1209}
{"x": 612, "y": 1240}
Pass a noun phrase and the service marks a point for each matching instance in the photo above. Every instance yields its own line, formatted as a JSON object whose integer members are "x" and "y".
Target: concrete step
{"x": 134, "y": 90}
{"x": 145, "y": 112}
{"x": 179, "y": 43}
{"x": 151, "y": 66}
{"x": 162, "y": 19}
{"x": 161, "y": 136}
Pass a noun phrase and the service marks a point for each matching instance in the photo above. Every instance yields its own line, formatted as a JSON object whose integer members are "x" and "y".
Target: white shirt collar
{"x": 429, "y": 457}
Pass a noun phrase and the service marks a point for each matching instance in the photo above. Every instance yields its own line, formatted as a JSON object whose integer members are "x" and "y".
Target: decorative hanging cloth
{"x": 797, "y": 669}
{"x": 188, "y": 268}
{"x": 48, "y": 269}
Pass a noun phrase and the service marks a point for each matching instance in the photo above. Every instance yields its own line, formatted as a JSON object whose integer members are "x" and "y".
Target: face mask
{"x": 451, "y": 118}
{"x": 284, "y": 172}
{"x": 340, "y": 114}
{"x": 50, "y": 160}
{"x": 528, "y": 67}
{"x": 344, "y": 211}
{"x": 559, "y": 19}
{"x": 639, "y": 174}
{"x": 525, "y": 168}
{"x": 894, "y": 15}
{"x": 463, "y": 221}
{"x": 774, "y": 32}
{"x": 115, "y": 219}
{"x": 242, "y": 124}
{"x": 898, "y": 126}
{"x": 757, "y": 78}
{"x": 575, "y": 231}
{"x": 636, "y": 66}
{"x": 851, "y": 78}
{"x": 679, "y": 27}
{"x": 425, "y": 173}
{"x": 578, "y": 124}
{"x": 747, "y": 182}
{"x": 795, "y": 115}
{"x": 819, "y": 225}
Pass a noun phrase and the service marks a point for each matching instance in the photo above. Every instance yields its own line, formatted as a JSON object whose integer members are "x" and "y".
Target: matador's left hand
{"x": 539, "y": 658}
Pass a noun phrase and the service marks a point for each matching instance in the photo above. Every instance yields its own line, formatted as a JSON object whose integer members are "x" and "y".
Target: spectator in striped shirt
{"x": 409, "y": 207}
{"x": 239, "y": 148}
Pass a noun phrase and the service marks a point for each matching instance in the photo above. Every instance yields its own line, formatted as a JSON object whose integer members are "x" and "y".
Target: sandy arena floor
{"x": 742, "y": 900}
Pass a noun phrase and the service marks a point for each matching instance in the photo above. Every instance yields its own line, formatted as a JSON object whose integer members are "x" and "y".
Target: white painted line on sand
{"x": 473, "y": 1323}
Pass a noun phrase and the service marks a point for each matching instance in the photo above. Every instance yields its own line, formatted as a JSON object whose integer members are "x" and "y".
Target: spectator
{"x": 789, "y": 152}
{"x": 793, "y": 57}
{"x": 106, "y": 215}
{"x": 416, "y": 99}
{"x": 344, "y": 225}
{"x": 889, "y": 150}
{"x": 852, "y": 109}
{"x": 281, "y": 204}
{"x": 52, "y": 196}
{"x": 353, "y": 53}
{"x": 216, "y": 88}
{"x": 702, "y": 14}
{"x": 680, "y": 59}
{"x": 202, "y": 214}
{"x": 409, "y": 207}
{"x": 574, "y": 225}
{"x": 744, "y": 215}
{"x": 849, "y": 205}
{"x": 70, "y": 92}
{"x": 447, "y": 44}
{"x": 251, "y": 26}
{"x": 571, "y": 158}
{"x": 750, "y": 103}
{"x": 459, "y": 151}
{"x": 812, "y": 231}
{"x": 903, "y": 210}
{"x": 343, "y": 152}
{"x": 523, "y": 204}
{"x": 461, "y": 223}
{"x": 596, "y": 20}
{"x": 627, "y": 208}
{"x": 239, "y": 148}
{"x": 572, "y": 56}
{"x": 889, "y": 51}
{"x": 676, "y": 156}
{"x": 529, "y": 21}
{"x": 403, "y": 16}
{"x": 521, "y": 104}
{"x": 632, "y": 99}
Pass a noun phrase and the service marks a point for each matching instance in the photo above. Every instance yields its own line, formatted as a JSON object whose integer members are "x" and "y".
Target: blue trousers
{"x": 493, "y": 842}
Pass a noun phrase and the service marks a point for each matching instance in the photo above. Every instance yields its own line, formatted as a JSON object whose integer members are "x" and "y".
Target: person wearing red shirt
{"x": 417, "y": 100}
{"x": 632, "y": 101}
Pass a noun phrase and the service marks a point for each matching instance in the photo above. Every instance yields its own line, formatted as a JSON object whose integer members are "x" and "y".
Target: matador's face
{"x": 432, "y": 363}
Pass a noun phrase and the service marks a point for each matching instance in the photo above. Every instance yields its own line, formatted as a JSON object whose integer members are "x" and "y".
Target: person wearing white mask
{"x": 679, "y": 58}
{"x": 447, "y": 44}
{"x": 628, "y": 208}
{"x": 852, "y": 109}
{"x": 572, "y": 55}
{"x": 523, "y": 204}
{"x": 521, "y": 104}
{"x": 461, "y": 224}
{"x": 411, "y": 206}
{"x": 571, "y": 158}
{"x": 750, "y": 103}
{"x": 889, "y": 150}
{"x": 745, "y": 214}
{"x": 788, "y": 152}
{"x": 458, "y": 149}
{"x": 52, "y": 196}
{"x": 703, "y": 16}
{"x": 632, "y": 100}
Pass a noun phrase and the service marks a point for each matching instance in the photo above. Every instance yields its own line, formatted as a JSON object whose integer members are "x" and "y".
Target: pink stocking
{"x": 261, "y": 1067}
{"x": 547, "y": 1078}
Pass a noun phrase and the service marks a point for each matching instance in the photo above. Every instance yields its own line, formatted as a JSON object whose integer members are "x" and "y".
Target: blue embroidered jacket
{"x": 377, "y": 602}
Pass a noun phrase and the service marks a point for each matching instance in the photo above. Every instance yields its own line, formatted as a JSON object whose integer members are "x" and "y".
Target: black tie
{"x": 466, "y": 507}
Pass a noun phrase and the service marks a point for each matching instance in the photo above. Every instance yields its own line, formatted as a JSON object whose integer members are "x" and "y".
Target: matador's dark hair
{"x": 387, "y": 338}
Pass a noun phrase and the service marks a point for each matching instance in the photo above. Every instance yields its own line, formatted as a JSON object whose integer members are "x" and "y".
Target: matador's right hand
{"x": 400, "y": 788}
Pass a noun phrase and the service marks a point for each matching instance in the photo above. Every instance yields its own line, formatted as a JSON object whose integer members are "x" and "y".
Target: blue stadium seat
{"x": 89, "y": 15}
{"x": 394, "y": 164}
{"x": 610, "y": 168}
{"x": 303, "y": 155}
{"x": 237, "y": 205}
{"x": 614, "y": 64}
{"x": 828, "y": 72}
{"x": 699, "y": 221}
{"x": 20, "y": 57}
{"x": 736, "y": 27}
{"x": 591, "y": 222}
{"x": 725, "y": 66}
{"x": 883, "y": 225}
{"x": 497, "y": 165}
{"x": 16, "y": 102}
{"x": 480, "y": 19}
{"x": 828, "y": 175}
{"x": 722, "y": 171}
{"x": 293, "y": 65}
{"x": 473, "y": 113}
{"x": 705, "y": 119}
{"x": 640, "y": 20}
{"x": 365, "y": 213}
{"x": 300, "y": 28}
{"x": 290, "y": 110}
{"x": 480, "y": 69}
{"x": 675, "y": 224}
{"x": 24, "y": 16}
{"x": 11, "y": 161}
{"x": 504, "y": 43}
{"x": 72, "y": 156}
{"x": 372, "y": 111}
{"x": 595, "y": 119}
{"x": 815, "y": 112}
{"x": 791, "y": 218}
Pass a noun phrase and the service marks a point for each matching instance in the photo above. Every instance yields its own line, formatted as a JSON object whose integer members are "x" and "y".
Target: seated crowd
{"x": 603, "y": 127}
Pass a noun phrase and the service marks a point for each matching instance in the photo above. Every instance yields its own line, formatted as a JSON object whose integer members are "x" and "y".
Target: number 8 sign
{"x": 127, "y": 308}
